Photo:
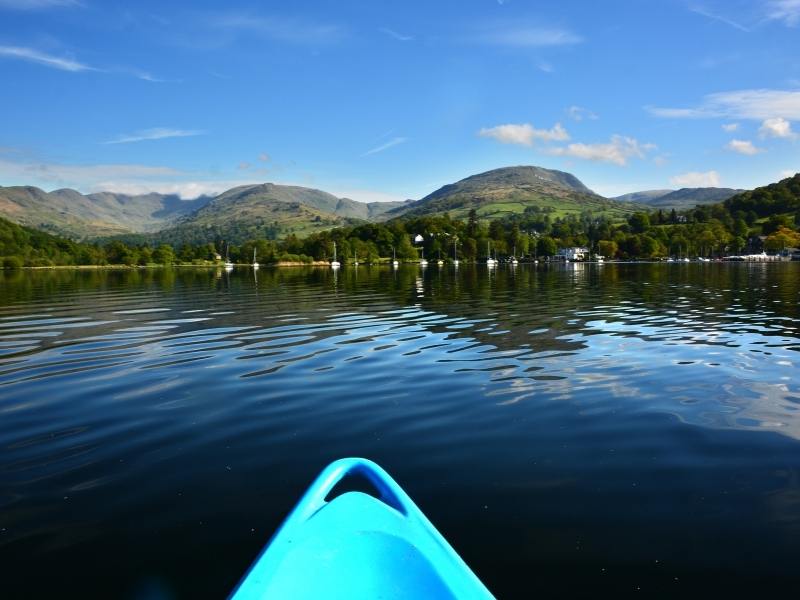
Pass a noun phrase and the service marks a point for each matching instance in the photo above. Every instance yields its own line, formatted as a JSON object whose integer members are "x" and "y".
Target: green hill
{"x": 682, "y": 199}
{"x": 782, "y": 197}
{"x": 269, "y": 211}
{"x": 510, "y": 190}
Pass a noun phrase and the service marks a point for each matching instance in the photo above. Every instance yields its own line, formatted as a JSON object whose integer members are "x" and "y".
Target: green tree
{"x": 164, "y": 255}
{"x": 546, "y": 246}
{"x": 639, "y": 222}
{"x": 607, "y": 248}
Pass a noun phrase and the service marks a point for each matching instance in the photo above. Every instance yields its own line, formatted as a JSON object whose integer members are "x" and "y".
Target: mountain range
{"x": 272, "y": 210}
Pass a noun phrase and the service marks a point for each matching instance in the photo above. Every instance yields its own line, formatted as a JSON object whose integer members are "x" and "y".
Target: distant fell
{"x": 69, "y": 213}
{"x": 682, "y": 199}
{"x": 509, "y": 190}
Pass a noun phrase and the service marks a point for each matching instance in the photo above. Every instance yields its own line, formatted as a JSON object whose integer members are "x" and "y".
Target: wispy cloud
{"x": 697, "y": 179}
{"x": 776, "y": 128}
{"x": 745, "y": 147}
{"x": 618, "y": 150}
{"x": 386, "y": 145}
{"x": 294, "y": 30}
{"x": 578, "y": 113}
{"x": 37, "y": 4}
{"x": 756, "y": 104}
{"x": 80, "y": 175}
{"x": 730, "y": 127}
{"x": 56, "y": 62}
{"x": 524, "y": 134}
{"x": 786, "y": 11}
{"x": 526, "y": 36}
{"x": 700, "y": 10}
{"x": 122, "y": 178}
{"x": 156, "y": 133}
{"x": 398, "y": 36}
{"x": 544, "y": 66}
{"x": 64, "y": 63}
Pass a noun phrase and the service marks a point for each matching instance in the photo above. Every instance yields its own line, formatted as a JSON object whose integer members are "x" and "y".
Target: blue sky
{"x": 379, "y": 100}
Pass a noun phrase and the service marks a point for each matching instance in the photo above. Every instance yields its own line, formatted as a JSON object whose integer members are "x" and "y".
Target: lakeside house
{"x": 572, "y": 254}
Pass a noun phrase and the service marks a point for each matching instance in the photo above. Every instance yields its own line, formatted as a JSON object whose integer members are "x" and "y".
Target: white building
{"x": 572, "y": 254}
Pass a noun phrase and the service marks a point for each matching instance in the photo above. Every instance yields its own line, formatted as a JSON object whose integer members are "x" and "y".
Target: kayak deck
{"x": 358, "y": 546}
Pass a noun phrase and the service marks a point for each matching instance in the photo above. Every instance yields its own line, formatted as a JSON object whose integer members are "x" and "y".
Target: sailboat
{"x": 355, "y": 258}
{"x": 228, "y": 263}
{"x": 255, "y": 262}
{"x": 514, "y": 260}
{"x": 440, "y": 262}
{"x": 335, "y": 263}
{"x": 422, "y": 261}
{"x": 394, "y": 258}
{"x": 489, "y": 260}
{"x": 455, "y": 253}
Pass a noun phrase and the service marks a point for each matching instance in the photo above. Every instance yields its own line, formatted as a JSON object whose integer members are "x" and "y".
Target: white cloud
{"x": 156, "y": 133}
{"x": 524, "y": 134}
{"x": 281, "y": 29}
{"x": 79, "y": 175}
{"x": 185, "y": 189}
{"x": 263, "y": 157}
{"x": 789, "y": 173}
{"x": 717, "y": 17}
{"x": 777, "y": 127}
{"x": 743, "y": 147}
{"x": 697, "y": 179}
{"x": 786, "y": 11}
{"x": 545, "y": 67}
{"x": 122, "y": 178}
{"x": 521, "y": 36}
{"x": 244, "y": 165}
{"x": 755, "y": 104}
{"x": 398, "y": 36}
{"x": 42, "y": 58}
{"x": 362, "y": 195}
{"x": 618, "y": 150}
{"x": 730, "y": 127}
{"x": 385, "y": 146}
{"x": 578, "y": 113}
{"x": 36, "y": 4}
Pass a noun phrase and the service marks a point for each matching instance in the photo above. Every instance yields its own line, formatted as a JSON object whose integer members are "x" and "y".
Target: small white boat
{"x": 422, "y": 261}
{"x": 455, "y": 253}
{"x": 228, "y": 263}
{"x": 255, "y": 262}
{"x": 335, "y": 264}
{"x": 490, "y": 262}
{"x": 394, "y": 258}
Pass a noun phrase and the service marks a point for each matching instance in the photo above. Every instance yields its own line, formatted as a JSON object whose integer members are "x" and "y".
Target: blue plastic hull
{"x": 357, "y": 546}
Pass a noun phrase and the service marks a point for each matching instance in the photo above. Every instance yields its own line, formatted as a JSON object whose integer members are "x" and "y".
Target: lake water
{"x": 571, "y": 429}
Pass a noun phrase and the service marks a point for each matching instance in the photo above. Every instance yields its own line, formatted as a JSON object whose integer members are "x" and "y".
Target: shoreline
{"x": 382, "y": 264}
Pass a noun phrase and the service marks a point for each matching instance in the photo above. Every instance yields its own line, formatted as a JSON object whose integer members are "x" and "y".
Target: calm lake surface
{"x": 578, "y": 429}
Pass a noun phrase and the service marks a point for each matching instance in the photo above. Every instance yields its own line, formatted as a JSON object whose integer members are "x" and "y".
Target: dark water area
{"x": 571, "y": 430}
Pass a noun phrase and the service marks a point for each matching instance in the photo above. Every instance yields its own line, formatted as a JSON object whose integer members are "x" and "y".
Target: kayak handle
{"x": 390, "y": 492}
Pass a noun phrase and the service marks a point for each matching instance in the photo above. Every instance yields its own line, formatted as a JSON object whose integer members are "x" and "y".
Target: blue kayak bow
{"x": 358, "y": 546}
